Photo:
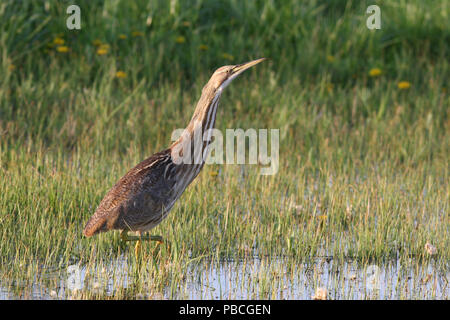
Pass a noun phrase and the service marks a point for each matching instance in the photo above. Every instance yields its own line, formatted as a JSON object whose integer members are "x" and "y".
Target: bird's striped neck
{"x": 189, "y": 152}
{"x": 197, "y": 135}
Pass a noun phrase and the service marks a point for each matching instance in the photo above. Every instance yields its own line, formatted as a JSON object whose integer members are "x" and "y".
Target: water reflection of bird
{"x": 142, "y": 198}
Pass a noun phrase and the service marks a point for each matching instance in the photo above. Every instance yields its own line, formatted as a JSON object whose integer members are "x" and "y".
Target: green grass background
{"x": 364, "y": 165}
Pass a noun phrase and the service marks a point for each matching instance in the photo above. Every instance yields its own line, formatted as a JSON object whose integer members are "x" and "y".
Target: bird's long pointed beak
{"x": 238, "y": 69}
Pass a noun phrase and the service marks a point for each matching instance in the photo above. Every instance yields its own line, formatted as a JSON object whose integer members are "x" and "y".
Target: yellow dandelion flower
{"x": 330, "y": 58}
{"x": 121, "y": 74}
{"x": 214, "y": 173}
{"x": 122, "y": 36}
{"x": 97, "y": 42}
{"x": 102, "y": 51}
{"x": 227, "y": 56}
{"x": 375, "y": 72}
{"x": 137, "y": 34}
{"x": 330, "y": 87}
{"x": 403, "y": 85}
{"x": 203, "y": 47}
{"x": 104, "y": 46}
{"x": 322, "y": 217}
{"x": 11, "y": 67}
{"x": 58, "y": 41}
{"x": 180, "y": 39}
{"x": 62, "y": 49}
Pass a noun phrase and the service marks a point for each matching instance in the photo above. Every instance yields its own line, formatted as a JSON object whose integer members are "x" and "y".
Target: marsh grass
{"x": 363, "y": 164}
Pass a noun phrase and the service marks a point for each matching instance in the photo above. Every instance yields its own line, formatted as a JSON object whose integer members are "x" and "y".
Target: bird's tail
{"x": 95, "y": 225}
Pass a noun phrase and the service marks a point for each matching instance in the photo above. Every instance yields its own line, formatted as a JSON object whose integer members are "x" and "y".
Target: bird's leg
{"x": 159, "y": 239}
{"x": 137, "y": 249}
{"x": 125, "y": 237}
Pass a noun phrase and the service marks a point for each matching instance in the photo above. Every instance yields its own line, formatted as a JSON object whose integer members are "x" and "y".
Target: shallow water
{"x": 250, "y": 278}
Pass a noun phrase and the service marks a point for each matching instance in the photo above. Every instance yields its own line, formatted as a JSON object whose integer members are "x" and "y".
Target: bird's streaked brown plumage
{"x": 142, "y": 198}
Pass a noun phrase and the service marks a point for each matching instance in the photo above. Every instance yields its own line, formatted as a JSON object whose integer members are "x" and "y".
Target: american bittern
{"x": 142, "y": 198}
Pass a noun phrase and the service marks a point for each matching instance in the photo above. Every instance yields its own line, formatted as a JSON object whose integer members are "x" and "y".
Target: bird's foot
{"x": 137, "y": 249}
{"x": 158, "y": 239}
{"x": 125, "y": 237}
